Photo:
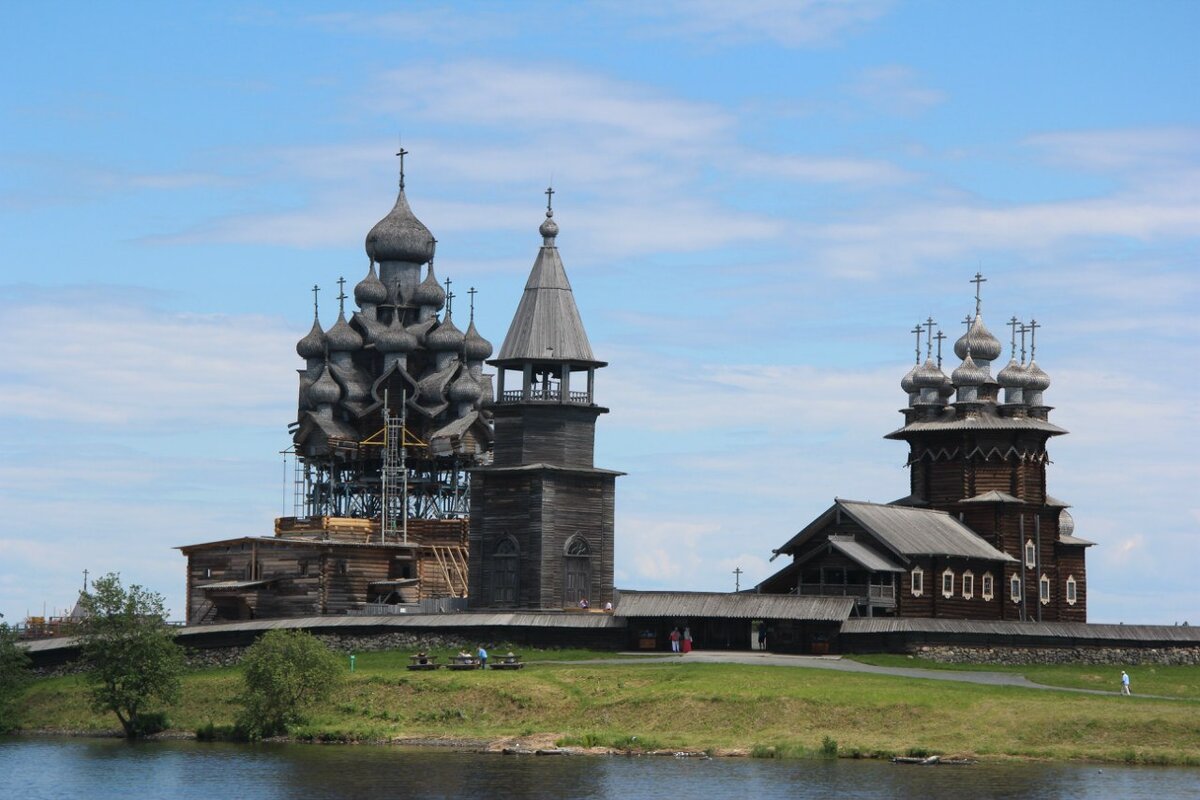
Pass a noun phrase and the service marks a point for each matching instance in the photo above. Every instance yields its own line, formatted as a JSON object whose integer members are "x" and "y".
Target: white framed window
{"x": 987, "y": 586}
{"x": 948, "y": 583}
{"x": 1072, "y": 592}
{"x": 918, "y": 581}
{"x": 1030, "y": 554}
{"x": 1044, "y": 589}
{"x": 1014, "y": 588}
{"x": 968, "y": 585}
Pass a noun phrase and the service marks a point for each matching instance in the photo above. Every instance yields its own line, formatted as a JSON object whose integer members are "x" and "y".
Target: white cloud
{"x": 1121, "y": 149}
{"x": 443, "y": 25}
{"x": 124, "y": 365}
{"x": 790, "y": 23}
{"x": 894, "y": 89}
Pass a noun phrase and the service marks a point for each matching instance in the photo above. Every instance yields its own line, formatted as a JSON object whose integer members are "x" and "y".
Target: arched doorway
{"x": 577, "y": 571}
{"x": 506, "y": 573}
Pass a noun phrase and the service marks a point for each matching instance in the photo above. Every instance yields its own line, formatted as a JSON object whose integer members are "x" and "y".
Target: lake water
{"x": 83, "y": 769}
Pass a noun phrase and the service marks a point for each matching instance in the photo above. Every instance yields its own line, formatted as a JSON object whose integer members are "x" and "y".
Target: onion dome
{"x": 475, "y": 347}
{"x": 429, "y": 292}
{"x": 1013, "y": 376}
{"x": 342, "y": 338}
{"x": 1066, "y": 523}
{"x": 979, "y": 342}
{"x": 1036, "y": 378}
{"x": 946, "y": 389}
{"x": 907, "y": 383}
{"x": 313, "y": 343}
{"x": 548, "y": 229}
{"x": 400, "y": 236}
{"x": 928, "y": 376}
{"x": 464, "y": 389}
{"x": 325, "y": 390}
{"x": 969, "y": 373}
{"x": 446, "y": 338}
{"x": 395, "y": 339}
{"x": 370, "y": 290}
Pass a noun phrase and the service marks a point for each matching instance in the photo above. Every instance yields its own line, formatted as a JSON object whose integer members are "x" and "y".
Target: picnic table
{"x": 423, "y": 662}
{"x": 508, "y": 661}
{"x": 463, "y": 662}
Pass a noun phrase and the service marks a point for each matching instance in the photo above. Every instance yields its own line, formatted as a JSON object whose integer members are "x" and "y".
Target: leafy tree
{"x": 131, "y": 654}
{"x": 14, "y": 675}
{"x": 285, "y": 673}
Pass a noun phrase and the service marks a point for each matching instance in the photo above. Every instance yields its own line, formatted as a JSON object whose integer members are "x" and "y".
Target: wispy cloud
{"x": 120, "y": 365}
{"x": 1121, "y": 150}
{"x": 895, "y": 89}
{"x": 790, "y": 23}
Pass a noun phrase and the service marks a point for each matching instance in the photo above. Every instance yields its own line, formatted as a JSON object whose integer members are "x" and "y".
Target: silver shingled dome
{"x": 1066, "y": 523}
{"x": 342, "y": 338}
{"x": 969, "y": 373}
{"x": 1036, "y": 378}
{"x": 446, "y": 338}
{"x": 400, "y": 236}
{"x": 979, "y": 342}
{"x": 370, "y": 289}
{"x": 313, "y": 343}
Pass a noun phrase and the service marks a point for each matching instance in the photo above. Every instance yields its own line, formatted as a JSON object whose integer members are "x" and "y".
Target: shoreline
{"x": 544, "y": 745}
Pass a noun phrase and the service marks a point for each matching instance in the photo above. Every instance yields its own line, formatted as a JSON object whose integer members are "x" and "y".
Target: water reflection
{"x": 54, "y": 768}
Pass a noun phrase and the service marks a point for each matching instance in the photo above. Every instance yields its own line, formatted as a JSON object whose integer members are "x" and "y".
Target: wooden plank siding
{"x": 541, "y": 510}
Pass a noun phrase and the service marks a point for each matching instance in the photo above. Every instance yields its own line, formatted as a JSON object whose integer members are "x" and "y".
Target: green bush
{"x": 14, "y": 677}
{"x": 285, "y": 673}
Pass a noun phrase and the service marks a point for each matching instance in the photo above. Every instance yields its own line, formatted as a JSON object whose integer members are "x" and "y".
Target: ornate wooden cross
{"x": 978, "y": 280}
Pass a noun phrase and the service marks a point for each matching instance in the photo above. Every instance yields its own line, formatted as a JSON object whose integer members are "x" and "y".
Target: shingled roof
{"x": 547, "y": 326}
{"x": 906, "y": 531}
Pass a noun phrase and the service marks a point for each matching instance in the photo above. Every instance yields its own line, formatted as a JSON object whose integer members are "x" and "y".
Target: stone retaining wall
{"x": 1115, "y": 656}
{"x": 231, "y": 655}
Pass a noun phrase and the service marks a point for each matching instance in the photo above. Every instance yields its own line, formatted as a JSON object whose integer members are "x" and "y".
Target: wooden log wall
{"x": 562, "y": 435}
{"x": 933, "y": 603}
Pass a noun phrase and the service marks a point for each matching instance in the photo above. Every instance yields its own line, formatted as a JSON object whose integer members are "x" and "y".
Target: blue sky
{"x": 757, "y": 200}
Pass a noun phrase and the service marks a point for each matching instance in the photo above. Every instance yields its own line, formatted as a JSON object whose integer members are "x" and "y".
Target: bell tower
{"x": 542, "y": 513}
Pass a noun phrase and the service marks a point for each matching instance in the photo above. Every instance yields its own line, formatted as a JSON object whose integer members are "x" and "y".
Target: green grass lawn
{"x": 1181, "y": 682}
{"x": 763, "y": 710}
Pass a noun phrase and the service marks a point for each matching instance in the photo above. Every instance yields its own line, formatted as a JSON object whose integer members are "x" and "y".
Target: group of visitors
{"x": 481, "y": 655}
{"x": 681, "y": 641}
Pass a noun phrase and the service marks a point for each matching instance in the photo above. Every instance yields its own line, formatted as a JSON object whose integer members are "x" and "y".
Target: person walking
{"x": 482, "y": 654}
{"x": 687, "y": 639}
{"x": 762, "y": 636}
{"x": 674, "y": 640}
{"x": 1125, "y": 682}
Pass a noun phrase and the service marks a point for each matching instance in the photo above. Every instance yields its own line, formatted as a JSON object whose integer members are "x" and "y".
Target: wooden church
{"x": 978, "y": 536}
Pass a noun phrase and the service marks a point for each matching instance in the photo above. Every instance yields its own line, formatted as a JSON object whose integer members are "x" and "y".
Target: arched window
{"x": 1072, "y": 592}
{"x": 1044, "y": 589}
{"x": 948, "y": 583}
{"x": 1014, "y": 588}
{"x": 1030, "y": 554}
{"x": 506, "y": 572}
{"x": 968, "y": 583}
{"x": 577, "y": 571}
{"x": 918, "y": 581}
{"x": 986, "y": 586}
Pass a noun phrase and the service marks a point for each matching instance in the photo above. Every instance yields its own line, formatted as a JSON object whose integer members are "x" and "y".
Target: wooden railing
{"x": 871, "y": 591}
{"x": 545, "y": 396}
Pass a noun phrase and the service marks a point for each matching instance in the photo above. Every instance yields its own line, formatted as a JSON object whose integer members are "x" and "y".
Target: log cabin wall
{"x": 305, "y": 577}
{"x": 933, "y": 602}
{"x": 562, "y": 435}
{"x": 540, "y": 510}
